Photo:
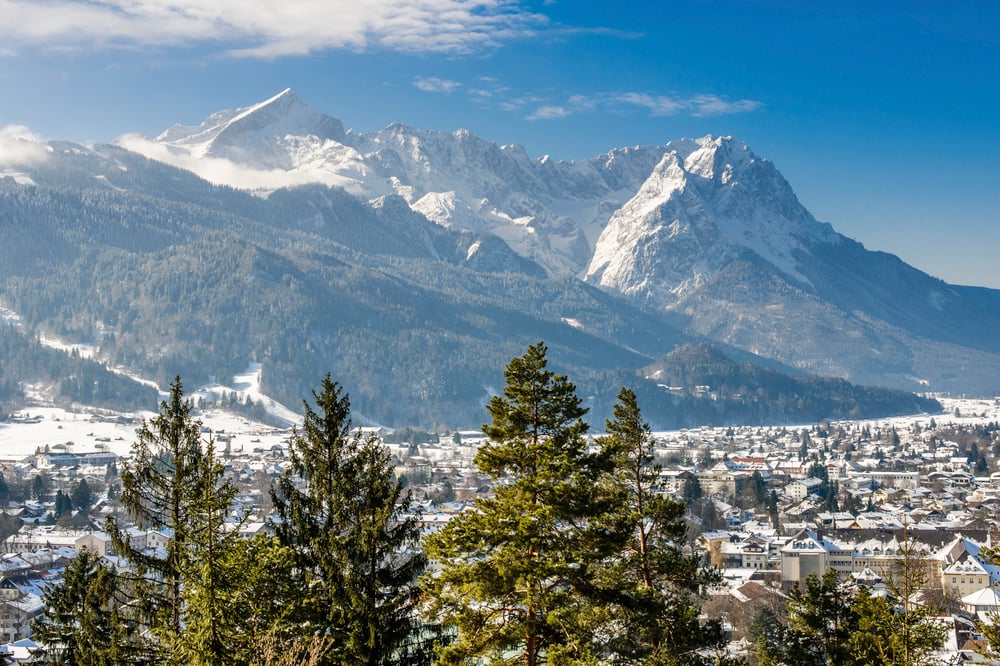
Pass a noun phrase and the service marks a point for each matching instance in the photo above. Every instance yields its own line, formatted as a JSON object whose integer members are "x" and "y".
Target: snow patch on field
{"x": 247, "y": 385}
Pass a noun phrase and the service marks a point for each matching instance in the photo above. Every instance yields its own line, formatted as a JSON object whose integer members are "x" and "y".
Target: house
{"x": 801, "y": 488}
{"x": 754, "y": 552}
{"x": 984, "y": 601}
{"x": 17, "y": 610}
{"x": 963, "y": 570}
{"x": 96, "y": 542}
{"x": 807, "y": 553}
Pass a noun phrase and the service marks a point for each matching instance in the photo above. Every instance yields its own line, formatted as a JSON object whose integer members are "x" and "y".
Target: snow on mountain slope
{"x": 278, "y": 143}
{"x": 247, "y": 385}
{"x": 247, "y": 135}
{"x": 705, "y": 203}
{"x": 653, "y": 222}
{"x": 701, "y": 228}
{"x": 549, "y": 212}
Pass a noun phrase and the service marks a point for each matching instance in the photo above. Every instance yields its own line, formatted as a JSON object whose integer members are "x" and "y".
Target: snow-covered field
{"x": 91, "y": 429}
{"x": 95, "y": 430}
{"x": 957, "y": 410}
{"x": 247, "y": 385}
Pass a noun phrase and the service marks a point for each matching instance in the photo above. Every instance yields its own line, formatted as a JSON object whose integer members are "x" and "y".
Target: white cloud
{"x": 574, "y": 104}
{"x": 222, "y": 171}
{"x": 549, "y": 113}
{"x": 518, "y": 103}
{"x": 267, "y": 28}
{"x": 658, "y": 106}
{"x": 697, "y": 105}
{"x": 582, "y": 102}
{"x": 19, "y": 146}
{"x": 711, "y": 105}
{"x": 434, "y": 84}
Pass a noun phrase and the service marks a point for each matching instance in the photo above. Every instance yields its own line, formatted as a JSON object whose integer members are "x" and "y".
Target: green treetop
{"x": 159, "y": 492}
{"x": 348, "y": 523}
{"x": 651, "y": 579}
{"x": 515, "y": 569}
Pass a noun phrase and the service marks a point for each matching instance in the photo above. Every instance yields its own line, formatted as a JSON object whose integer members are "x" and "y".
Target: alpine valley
{"x": 412, "y": 265}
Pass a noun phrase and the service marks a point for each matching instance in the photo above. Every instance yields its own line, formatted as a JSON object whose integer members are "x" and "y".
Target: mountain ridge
{"x": 448, "y": 240}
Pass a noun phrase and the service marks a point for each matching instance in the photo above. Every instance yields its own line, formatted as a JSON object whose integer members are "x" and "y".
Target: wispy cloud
{"x": 549, "y": 113}
{"x": 265, "y": 28}
{"x": 434, "y": 84}
{"x": 19, "y": 146}
{"x": 656, "y": 105}
{"x": 697, "y": 105}
{"x": 490, "y": 91}
{"x": 222, "y": 171}
{"x": 711, "y": 105}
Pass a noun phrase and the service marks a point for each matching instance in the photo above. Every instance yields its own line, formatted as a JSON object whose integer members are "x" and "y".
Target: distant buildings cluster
{"x": 769, "y": 506}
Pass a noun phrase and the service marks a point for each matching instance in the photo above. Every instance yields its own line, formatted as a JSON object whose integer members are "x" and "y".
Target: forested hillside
{"x": 166, "y": 275}
{"x": 24, "y": 359}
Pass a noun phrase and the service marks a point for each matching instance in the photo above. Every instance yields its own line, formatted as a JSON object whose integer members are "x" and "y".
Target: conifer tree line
{"x": 576, "y": 558}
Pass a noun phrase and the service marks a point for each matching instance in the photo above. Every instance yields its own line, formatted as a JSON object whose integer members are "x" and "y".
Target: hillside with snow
{"x": 413, "y": 264}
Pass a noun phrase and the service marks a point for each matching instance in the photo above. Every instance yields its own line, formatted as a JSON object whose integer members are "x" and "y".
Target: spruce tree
{"x": 210, "y": 581}
{"x": 259, "y": 600}
{"x": 348, "y": 523}
{"x": 515, "y": 568}
{"x": 84, "y": 624}
{"x": 160, "y": 485}
{"x": 82, "y": 496}
{"x": 893, "y": 629}
{"x": 821, "y": 621}
{"x": 651, "y": 578}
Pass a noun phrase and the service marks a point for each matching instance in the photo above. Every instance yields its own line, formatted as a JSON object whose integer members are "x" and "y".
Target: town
{"x": 767, "y": 505}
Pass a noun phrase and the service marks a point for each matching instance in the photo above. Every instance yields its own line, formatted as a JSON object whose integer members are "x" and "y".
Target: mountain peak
{"x": 287, "y": 92}
{"x": 252, "y": 132}
{"x": 708, "y": 201}
{"x": 710, "y": 155}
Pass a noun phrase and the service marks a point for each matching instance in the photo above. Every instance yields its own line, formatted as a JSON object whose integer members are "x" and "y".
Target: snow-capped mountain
{"x": 707, "y": 202}
{"x": 259, "y": 134}
{"x": 703, "y": 228}
{"x": 460, "y": 242}
{"x": 548, "y": 212}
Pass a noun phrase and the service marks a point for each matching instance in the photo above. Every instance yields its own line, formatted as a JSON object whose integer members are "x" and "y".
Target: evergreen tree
{"x": 894, "y": 630}
{"x": 259, "y": 603}
{"x": 765, "y": 632}
{"x": 691, "y": 492}
{"x": 514, "y": 570}
{"x": 655, "y": 582}
{"x": 82, "y": 496}
{"x": 821, "y": 622}
{"x": 209, "y": 627}
{"x": 159, "y": 492}
{"x": 990, "y": 628}
{"x": 772, "y": 509}
{"x": 352, "y": 535}
{"x": 83, "y": 624}
{"x": 63, "y": 504}
{"x": 40, "y": 486}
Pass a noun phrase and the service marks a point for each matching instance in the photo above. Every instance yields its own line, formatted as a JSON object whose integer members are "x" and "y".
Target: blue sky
{"x": 882, "y": 115}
